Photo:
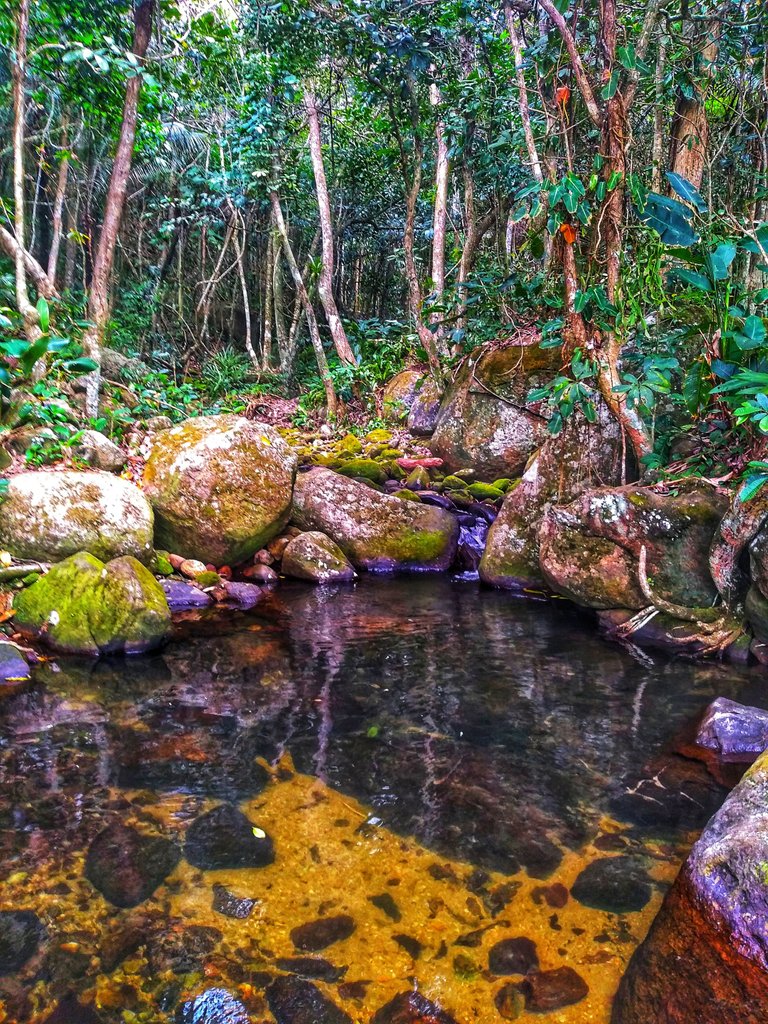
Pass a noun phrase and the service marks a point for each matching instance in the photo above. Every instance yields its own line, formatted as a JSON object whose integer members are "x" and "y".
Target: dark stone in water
{"x": 225, "y": 838}
{"x": 294, "y": 1001}
{"x": 123, "y": 939}
{"x": 126, "y": 866}
{"x": 616, "y": 884}
{"x": 387, "y": 904}
{"x": 216, "y": 1006}
{"x": 509, "y": 1001}
{"x": 411, "y": 1008}
{"x": 551, "y": 990}
{"x": 353, "y": 989}
{"x": 69, "y": 1011}
{"x": 412, "y": 946}
{"x": 315, "y": 935}
{"x": 438, "y": 500}
{"x": 311, "y": 967}
{"x": 21, "y": 932}
{"x": 181, "y": 596}
{"x": 513, "y": 956}
{"x": 555, "y": 895}
{"x": 226, "y": 903}
{"x": 735, "y": 732}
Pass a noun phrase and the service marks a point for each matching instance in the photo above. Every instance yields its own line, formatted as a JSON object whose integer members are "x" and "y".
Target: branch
{"x": 579, "y": 71}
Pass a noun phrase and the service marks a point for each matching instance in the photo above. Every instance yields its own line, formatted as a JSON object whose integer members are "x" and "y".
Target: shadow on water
{"x": 495, "y": 733}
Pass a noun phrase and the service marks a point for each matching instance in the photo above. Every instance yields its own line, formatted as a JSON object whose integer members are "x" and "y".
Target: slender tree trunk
{"x": 325, "y": 280}
{"x": 301, "y": 291}
{"x": 58, "y": 205}
{"x": 244, "y": 291}
{"x": 278, "y": 303}
{"x": 440, "y": 212}
{"x": 689, "y": 132}
{"x": 98, "y": 298}
{"x": 269, "y": 278}
{"x": 657, "y": 151}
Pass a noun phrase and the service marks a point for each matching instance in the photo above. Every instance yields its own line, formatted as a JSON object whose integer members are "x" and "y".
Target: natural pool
{"x": 440, "y": 769}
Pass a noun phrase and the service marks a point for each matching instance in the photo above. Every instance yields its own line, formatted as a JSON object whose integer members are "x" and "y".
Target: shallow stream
{"x": 440, "y": 769}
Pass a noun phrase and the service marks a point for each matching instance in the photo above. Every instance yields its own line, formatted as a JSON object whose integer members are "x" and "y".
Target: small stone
{"x": 99, "y": 452}
{"x": 315, "y": 557}
{"x": 215, "y": 1006}
{"x": 182, "y": 596}
{"x": 552, "y": 990}
{"x": 157, "y": 423}
{"x": 616, "y": 884}
{"x": 225, "y": 838}
{"x": 192, "y": 568}
{"x": 313, "y": 967}
{"x": 295, "y": 1001}
{"x": 411, "y": 1008}
{"x": 509, "y": 1001}
{"x": 126, "y": 865}
{"x": 513, "y": 956}
{"x": 412, "y": 946}
{"x": 21, "y": 932}
{"x": 263, "y": 557}
{"x": 277, "y": 546}
{"x": 385, "y": 903}
{"x": 240, "y": 595}
{"x": 226, "y": 903}
{"x": 555, "y": 895}
{"x": 260, "y": 574}
{"x": 316, "y": 935}
{"x": 417, "y": 479}
{"x": 14, "y": 670}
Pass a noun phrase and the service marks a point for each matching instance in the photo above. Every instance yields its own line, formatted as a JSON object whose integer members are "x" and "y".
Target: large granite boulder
{"x": 83, "y": 606}
{"x": 50, "y": 516}
{"x": 220, "y": 487}
{"x": 582, "y": 456}
{"x": 399, "y": 394}
{"x": 589, "y": 549}
{"x": 376, "y": 531}
{"x": 705, "y": 958}
{"x": 485, "y": 421}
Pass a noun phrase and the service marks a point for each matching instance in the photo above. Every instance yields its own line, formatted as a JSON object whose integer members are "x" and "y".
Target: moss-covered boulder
{"x": 485, "y": 420}
{"x": 368, "y": 469}
{"x": 399, "y": 395}
{"x": 49, "y": 516}
{"x": 582, "y": 456}
{"x": 220, "y": 487}
{"x": 83, "y": 606}
{"x": 376, "y": 531}
{"x": 589, "y": 549}
{"x": 314, "y": 556}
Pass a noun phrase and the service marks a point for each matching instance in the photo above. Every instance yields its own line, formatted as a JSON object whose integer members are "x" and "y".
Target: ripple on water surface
{"x": 398, "y": 801}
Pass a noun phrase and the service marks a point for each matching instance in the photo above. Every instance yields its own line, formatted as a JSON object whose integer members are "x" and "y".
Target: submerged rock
{"x": 126, "y": 865}
{"x": 589, "y": 549}
{"x": 705, "y": 956}
{"x": 314, "y": 556}
{"x": 14, "y": 670}
{"x": 485, "y": 420}
{"x": 317, "y": 935}
{"x": 83, "y": 606}
{"x": 49, "y": 516}
{"x": 21, "y": 932}
{"x": 220, "y": 487}
{"x": 513, "y": 956}
{"x": 411, "y": 1008}
{"x": 618, "y": 885}
{"x": 214, "y": 1006}
{"x": 225, "y": 838}
{"x": 70, "y": 1010}
{"x": 546, "y": 991}
{"x": 313, "y": 967}
{"x": 226, "y": 903}
{"x": 295, "y": 1001}
{"x": 375, "y": 531}
{"x": 736, "y": 733}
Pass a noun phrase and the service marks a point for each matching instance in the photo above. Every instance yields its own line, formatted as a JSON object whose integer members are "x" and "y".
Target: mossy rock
{"x": 369, "y": 469}
{"x": 315, "y": 557}
{"x": 400, "y": 393}
{"x": 391, "y": 453}
{"x": 379, "y": 436}
{"x": 418, "y": 479}
{"x": 484, "y": 492}
{"x": 49, "y": 516}
{"x": 502, "y": 484}
{"x": 220, "y": 487}
{"x": 83, "y": 606}
{"x": 406, "y": 495}
{"x": 375, "y": 531}
{"x": 349, "y": 443}
{"x": 160, "y": 564}
{"x": 454, "y": 483}
{"x": 208, "y": 579}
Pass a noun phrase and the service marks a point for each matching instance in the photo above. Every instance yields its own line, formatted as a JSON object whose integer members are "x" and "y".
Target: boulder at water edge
{"x": 49, "y": 516}
{"x": 735, "y": 732}
{"x": 705, "y": 958}
{"x": 313, "y": 556}
{"x": 220, "y": 487}
{"x": 83, "y": 606}
{"x": 376, "y": 531}
{"x": 589, "y": 549}
{"x": 485, "y": 421}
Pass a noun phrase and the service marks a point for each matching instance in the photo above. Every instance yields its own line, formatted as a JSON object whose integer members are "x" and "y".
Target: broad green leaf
{"x": 43, "y": 311}
{"x": 721, "y": 259}
{"x": 752, "y": 486}
{"x": 627, "y": 56}
{"x": 691, "y": 277}
{"x": 686, "y": 191}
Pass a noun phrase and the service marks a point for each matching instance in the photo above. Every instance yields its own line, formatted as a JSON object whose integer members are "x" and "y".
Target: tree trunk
{"x": 98, "y": 298}
{"x": 58, "y": 206}
{"x": 269, "y": 277}
{"x": 325, "y": 280}
{"x": 689, "y": 133}
{"x": 440, "y": 214}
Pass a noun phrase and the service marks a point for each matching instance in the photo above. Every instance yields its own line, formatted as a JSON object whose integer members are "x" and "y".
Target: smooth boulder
{"x": 50, "y": 516}
{"x": 225, "y": 838}
{"x": 220, "y": 487}
{"x": 399, "y": 394}
{"x": 98, "y": 451}
{"x": 589, "y": 550}
{"x": 705, "y": 957}
{"x": 314, "y": 556}
{"x": 82, "y": 606}
{"x": 735, "y": 732}
{"x": 21, "y": 932}
{"x": 376, "y": 531}
{"x": 485, "y": 420}
{"x": 126, "y": 865}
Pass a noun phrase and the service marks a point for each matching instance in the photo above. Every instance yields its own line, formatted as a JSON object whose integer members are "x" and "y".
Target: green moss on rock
{"x": 484, "y": 492}
{"x": 367, "y": 468}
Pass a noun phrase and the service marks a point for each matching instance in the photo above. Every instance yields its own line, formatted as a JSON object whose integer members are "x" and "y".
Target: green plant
{"x": 225, "y": 371}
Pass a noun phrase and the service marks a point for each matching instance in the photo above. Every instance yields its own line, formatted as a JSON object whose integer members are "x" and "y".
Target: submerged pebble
{"x": 616, "y": 884}
{"x": 126, "y": 865}
{"x": 226, "y": 903}
{"x": 21, "y": 932}
{"x": 313, "y": 967}
{"x": 294, "y": 1001}
{"x": 215, "y": 1006}
{"x": 386, "y": 903}
{"x": 546, "y": 991}
{"x": 225, "y": 838}
{"x": 316, "y": 935}
{"x": 411, "y": 1008}
{"x": 513, "y": 956}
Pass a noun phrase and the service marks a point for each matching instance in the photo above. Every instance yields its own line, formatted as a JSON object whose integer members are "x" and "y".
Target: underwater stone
{"x": 546, "y": 991}
{"x": 316, "y": 935}
{"x": 181, "y": 596}
{"x": 311, "y": 967}
{"x": 315, "y": 557}
{"x": 385, "y": 903}
{"x": 735, "y": 732}
{"x": 216, "y": 1006}
{"x": 226, "y": 903}
{"x": 411, "y": 1008}
{"x": 21, "y": 932}
{"x": 618, "y": 885}
{"x": 126, "y": 865}
{"x": 513, "y": 956}
{"x": 225, "y": 838}
{"x": 295, "y": 1001}
{"x": 14, "y": 670}
{"x": 70, "y": 1011}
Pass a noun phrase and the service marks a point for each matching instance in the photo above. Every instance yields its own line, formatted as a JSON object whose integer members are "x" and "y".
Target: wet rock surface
{"x": 21, "y": 932}
{"x": 513, "y": 956}
{"x": 295, "y": 1001}
{"x": 734, "y": 732}
{"x": 313, "y": 967}
{"x": 316, "y": 935}
{"x": 216, "y": 1006}
{"x": 616, "y": 884}
{"x": 226, "y": 903}
{"x": 226, "y": 838}
{"x": 411, "y": 1008}
{"x": 547, "y": 991}
{"x": 313, "y": 556}
{"x": 126, "y": 866}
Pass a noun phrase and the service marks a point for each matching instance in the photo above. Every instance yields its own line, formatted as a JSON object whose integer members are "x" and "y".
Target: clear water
{"x": 458, "y": 756}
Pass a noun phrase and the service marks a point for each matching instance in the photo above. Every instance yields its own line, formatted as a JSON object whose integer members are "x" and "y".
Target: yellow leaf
{"x": 6, "y": 558}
